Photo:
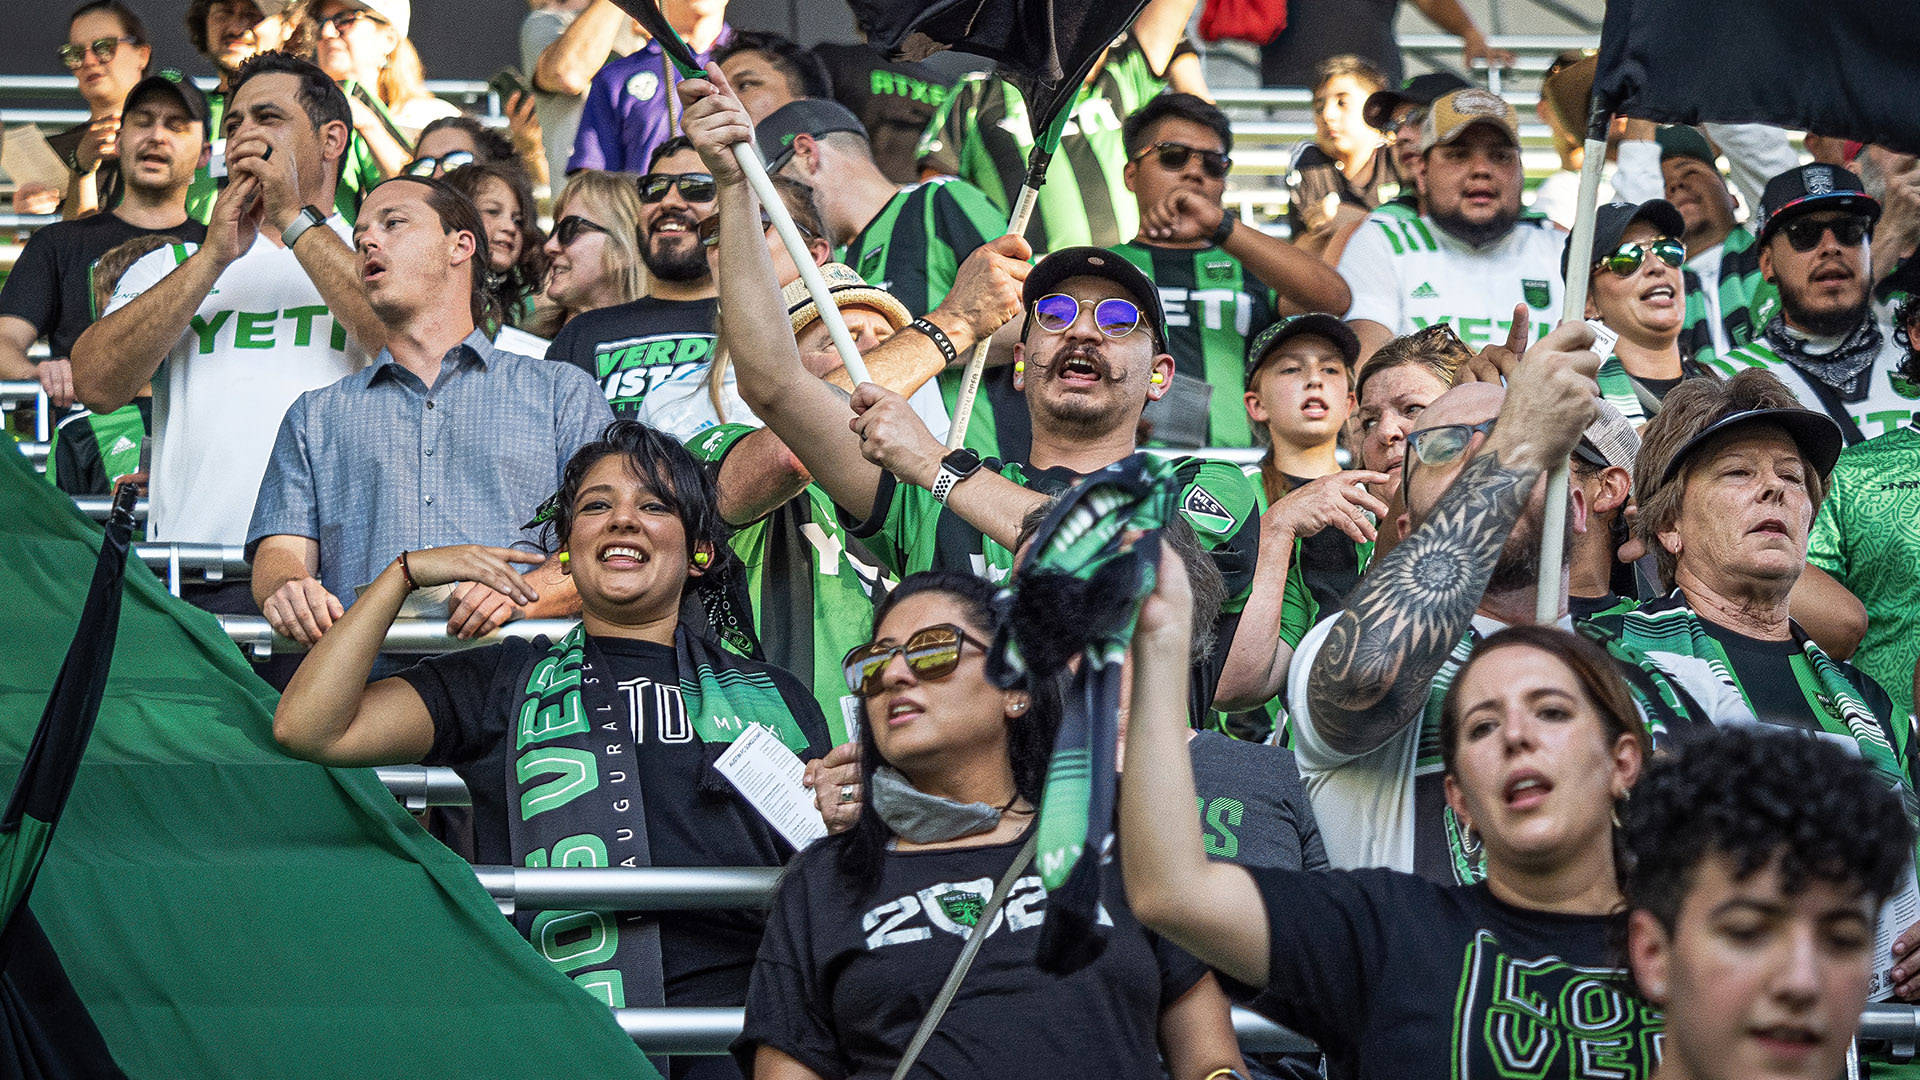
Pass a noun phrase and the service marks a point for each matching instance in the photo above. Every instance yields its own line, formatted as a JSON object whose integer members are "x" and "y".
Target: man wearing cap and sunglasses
{"x": 1399, "y": 115}
{"x": 1471, "y": 259}
{"x": 908, "y": 240}
{"x": 1639, "y": 291}
{"x": 1829, "y": 343}
{"x": 666, "y": 335}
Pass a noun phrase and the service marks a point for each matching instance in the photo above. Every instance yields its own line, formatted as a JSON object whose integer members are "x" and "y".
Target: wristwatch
{"x": 1229, "y": 217}
{"x": 955, "y": 467}
{"x": 307, "y": 219}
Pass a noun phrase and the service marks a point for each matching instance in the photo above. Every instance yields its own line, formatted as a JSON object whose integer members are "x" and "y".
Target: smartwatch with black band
{"x": 307, "y": 219}
{"x": 955, "y": 467}
{"x": 1228, "y": 219}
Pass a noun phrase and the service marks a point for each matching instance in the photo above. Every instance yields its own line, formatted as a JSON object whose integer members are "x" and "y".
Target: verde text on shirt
{"x": 655, "y": 351}
{"x": 264, "y": 329}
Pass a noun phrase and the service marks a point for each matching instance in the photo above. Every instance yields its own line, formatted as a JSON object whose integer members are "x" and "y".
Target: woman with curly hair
{"x": 516, "y": 263}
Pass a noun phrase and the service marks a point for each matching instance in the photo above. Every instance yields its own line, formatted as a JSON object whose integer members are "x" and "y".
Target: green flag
{"x": 224, "y": 910}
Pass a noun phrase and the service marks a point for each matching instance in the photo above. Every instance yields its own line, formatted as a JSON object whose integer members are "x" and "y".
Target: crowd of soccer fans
{"x": 420, "y": 367}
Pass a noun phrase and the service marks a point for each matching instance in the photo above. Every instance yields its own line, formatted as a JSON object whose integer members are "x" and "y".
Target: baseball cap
{"x": 1815, "y": 433}
{"x": 397, "y": 13}
{"x": 172, "y": 82}
{"x": 1074, "y": 262}
{"x": 807, "y": 116}
{"x": 1681, "y": 141}
{"x": 1452, "y": 114}
{"x": 1610, "y": 441}
{"x": 1813, "y": 187}
{"x": 1610, "y": 223}
{"x": 1419, "y": 90}
{"x": 1316, "y": 322}
{"x": 847, "y": 289}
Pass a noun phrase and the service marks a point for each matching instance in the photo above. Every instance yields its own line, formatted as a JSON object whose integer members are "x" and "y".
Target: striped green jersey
{"x": 1742, "y": 301}
{"x": 809, "y": 583}
{"x": 913, "y": 247}
{"x": 1868, "y": 537}
{"x": 1213, "y": 305}
{"x": 982, "y": 135}
{"x": 1406, "y": 273}
{"x": 1891, "y": 400}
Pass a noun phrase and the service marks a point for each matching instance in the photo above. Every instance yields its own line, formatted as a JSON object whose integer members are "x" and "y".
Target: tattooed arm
{"x": 1372, "y": 673}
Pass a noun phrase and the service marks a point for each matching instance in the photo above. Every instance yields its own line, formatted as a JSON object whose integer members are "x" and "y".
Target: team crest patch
{"x": 1819, "y": 180}
{"x": 644, "y": 85}
{"x": 1536, "y": 293}
{"x": 962, "y": 907}
{"x": 1206, "y": 510}
{"x": 1217, "y": 268}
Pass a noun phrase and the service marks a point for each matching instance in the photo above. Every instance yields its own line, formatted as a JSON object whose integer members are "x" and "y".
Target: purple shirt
{"x": 626, "y": 113}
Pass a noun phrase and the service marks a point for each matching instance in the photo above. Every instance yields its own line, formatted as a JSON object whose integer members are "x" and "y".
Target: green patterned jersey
{"x": 809, "y": 583}
{"x": 1213, "y": 306}
{"x": 1298, "y": 613}
{"x": 1868, "y": 537}
{"x": 982, "y": 134}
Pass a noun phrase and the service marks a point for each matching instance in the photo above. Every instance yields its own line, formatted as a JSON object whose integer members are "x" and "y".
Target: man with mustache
{"x": 666, "y": 335}
{"x": 1471, "y": 259}
{"x": 1832, "y": 346}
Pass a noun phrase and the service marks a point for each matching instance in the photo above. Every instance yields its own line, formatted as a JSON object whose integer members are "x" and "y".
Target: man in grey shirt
{"x": 441, "y": 440}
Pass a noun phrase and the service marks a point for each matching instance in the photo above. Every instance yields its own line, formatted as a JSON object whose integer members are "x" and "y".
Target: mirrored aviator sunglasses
{"x": 445, "y": 162}
{"x": 695, "y": 187}
{"x": 1115, "y": 317}
{"x": 932, "y": 653}
{"x": 1625, "y": 260}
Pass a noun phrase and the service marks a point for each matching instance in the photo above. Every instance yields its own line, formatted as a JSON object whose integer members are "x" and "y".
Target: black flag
{"x": 1844, "y": 68}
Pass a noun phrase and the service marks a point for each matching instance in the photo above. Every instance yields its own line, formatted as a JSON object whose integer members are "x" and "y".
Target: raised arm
{"x": 330, "y": 715}
{"x": 567, "y": 66}
{"x": 1159, "y": 28}
{"x": 1303, "y": 281}
{"x": 1211, "y": 909}
{"x": 1370, "y": 677}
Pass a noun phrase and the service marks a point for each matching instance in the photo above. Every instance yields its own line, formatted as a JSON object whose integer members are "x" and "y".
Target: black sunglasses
{"x": 569, "y": 228}
{"x": 1804, "y": 234}
{"x": 342, "y": 21}
{"x": 1625, "y": 260}
{"x": 694, "y": 186}
{"x": 709, "y": 229}
{"x": 932, "y": 653}
{"x": 1174, "y": 156}
{"x": 446, "y": 162}
{"x": 102, "y": 49}
{"x": 1441, "y": 445}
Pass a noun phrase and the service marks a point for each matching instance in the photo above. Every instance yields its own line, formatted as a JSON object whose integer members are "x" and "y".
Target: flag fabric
{"x": 1843, "y": 68}
{"x": 223, "y": 910}
{"x": 647, "y": 14}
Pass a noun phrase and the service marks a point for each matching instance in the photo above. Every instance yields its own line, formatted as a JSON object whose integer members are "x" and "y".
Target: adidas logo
{"x": 1426, "y": 291}
{"x": 121, "y": 445}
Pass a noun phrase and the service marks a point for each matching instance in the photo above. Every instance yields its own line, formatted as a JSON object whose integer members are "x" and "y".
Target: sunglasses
{"x": 1115, "y": 317}
{"x": 342, "y": 21}
{"x": 694, "y": 186}
{"x": 1439, "y": 446}
{"x": 569, "y": 228}
{"x": 446, "y": 162}
{"x": 1804, "y": 235}
{"x": 103, "y": 50}
{"x": 1173, "y": 156}
{"x": 709, "y": 230}
{"x": 1625, "y": 260}
{"x": 932, "y": 653}
{"x": 1415, "y": 117}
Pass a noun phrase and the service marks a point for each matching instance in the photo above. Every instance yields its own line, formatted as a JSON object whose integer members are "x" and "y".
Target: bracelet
{"x": 1226, "y": 1074}
{"x": 407, "y": 572}
{"x": 939, "y": 338}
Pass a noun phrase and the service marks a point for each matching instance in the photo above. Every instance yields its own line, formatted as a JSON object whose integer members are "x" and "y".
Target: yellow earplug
{"x": 1156, "y": 378}
{"x": 564, "y": 556}
{"x": 702, "y": 558}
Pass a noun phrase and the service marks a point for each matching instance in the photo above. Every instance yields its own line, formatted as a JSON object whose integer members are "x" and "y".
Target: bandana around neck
{"x": 1840, "y": 369}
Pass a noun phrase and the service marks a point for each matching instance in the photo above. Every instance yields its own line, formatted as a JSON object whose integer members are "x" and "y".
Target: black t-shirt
{"x": 1395, "y": 976}
{"x": 1583, "y": 608}
{"x": 474, "y": 698}
{"x": 1316, "y": 31}
{"x": 51, "y": 285}
{"x": 894, "y": 100}
{"x": 634, "y": 347}
{"x": 845, "y": 976}
{"x": 1315, "y": 175}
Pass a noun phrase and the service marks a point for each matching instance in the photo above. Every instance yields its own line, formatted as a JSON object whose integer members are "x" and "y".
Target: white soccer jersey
{"x": 262, "y": 337}
{"x": 1406, "y": 274}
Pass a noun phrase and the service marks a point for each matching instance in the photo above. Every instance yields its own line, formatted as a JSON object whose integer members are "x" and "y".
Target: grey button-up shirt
{"x": 379, "y": 462}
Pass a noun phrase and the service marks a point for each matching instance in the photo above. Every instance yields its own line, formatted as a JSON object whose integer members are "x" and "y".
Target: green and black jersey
{"x": 811, "y": 585}
{"x": 910, "y": 532}
{"x": 1299, "y": 610}
{"x": 1746, "y": 300}
{"x": 913, "y": 248}
{"x": 89, "y": 449}
{"x": 1868, "y": 537}
{"x": 1213, "y": 306}
{"x": 982, "y": 135}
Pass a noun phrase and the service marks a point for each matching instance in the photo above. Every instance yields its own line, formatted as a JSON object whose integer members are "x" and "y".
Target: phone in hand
{"x": 507, "y": 82}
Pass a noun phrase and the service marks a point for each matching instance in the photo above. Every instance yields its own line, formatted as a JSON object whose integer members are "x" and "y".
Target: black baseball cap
{"x": 1815, "y": 433}
{"x": 1419, "y": 90}
{"x": 1681, "y": 141}
{"x": 807, "y": 116}
{"x": 1074, "y": 262}
{"x": 1813, "y": 187}
{"x": 1315, "y": 322}
{"x": 173, "y": 82}
{"x": 1610, "y": 223}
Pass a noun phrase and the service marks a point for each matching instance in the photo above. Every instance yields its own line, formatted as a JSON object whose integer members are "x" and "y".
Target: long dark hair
{"x": 1030, "y": 735}
{"x": 510, "y": 289}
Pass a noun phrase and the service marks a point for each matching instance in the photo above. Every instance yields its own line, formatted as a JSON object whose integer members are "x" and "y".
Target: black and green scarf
{"x": 1078, "y": 593}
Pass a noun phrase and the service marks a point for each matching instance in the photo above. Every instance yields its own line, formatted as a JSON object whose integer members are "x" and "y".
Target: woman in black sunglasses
{"x": 868, "y": 923}
{"x": 107, "y": 52}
